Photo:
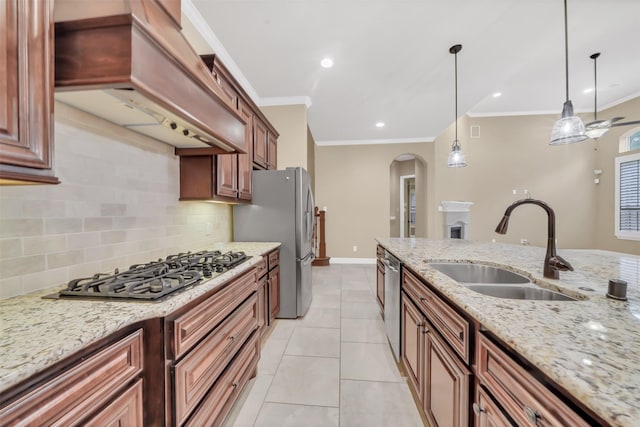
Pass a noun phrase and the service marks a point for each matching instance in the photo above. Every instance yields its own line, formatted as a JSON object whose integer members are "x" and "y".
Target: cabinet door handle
{"x": 477, "y": 409}
{"x": 234, "y": 385}
{"x": 422, "y": 299}
{"x": 232, "y": 337}
{"x": 532, "y": 415}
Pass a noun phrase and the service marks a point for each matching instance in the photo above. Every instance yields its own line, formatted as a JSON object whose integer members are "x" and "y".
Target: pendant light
{"x": 597, "y": 128}
{"x": 569, "y": 128}
{"x": 456, "y": 156}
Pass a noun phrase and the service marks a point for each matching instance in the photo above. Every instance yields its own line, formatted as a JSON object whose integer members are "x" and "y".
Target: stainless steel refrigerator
{"x": 282, "y": 210}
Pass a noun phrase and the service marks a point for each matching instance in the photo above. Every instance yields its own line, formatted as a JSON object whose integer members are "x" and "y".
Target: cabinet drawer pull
{"x": 232, "y": 337}
{"x": 422, "y": 299}
{"x": 477, "y": 409}
{"x": 532, "y": 415}
{"x": 234, "y": 385}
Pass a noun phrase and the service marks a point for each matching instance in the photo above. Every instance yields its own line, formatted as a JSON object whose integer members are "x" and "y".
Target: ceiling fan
{"x": 597, "y": 128}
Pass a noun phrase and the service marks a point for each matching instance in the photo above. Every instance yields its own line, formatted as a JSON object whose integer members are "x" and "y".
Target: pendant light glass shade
{"x": 456, "y": 156}
{"x": 569, "y": 128}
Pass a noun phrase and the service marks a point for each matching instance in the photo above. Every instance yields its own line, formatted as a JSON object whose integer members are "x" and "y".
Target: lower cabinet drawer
{"x": 219, "y": 401}
{"x": 191, "y": 327}
{"x": 126, "y": 410}
{"x": 71, "y": 396}
{"x": 274, "y": 258}
{"x": 487, "y": 412}
{"x": 196, "y": 373}
{"x": 262, "y": 267}
{"x": 524, "y": 398}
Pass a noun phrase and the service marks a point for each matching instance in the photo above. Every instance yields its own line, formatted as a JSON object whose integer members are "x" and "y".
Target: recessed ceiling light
{"x": 380, "y": 124}
{"x": 588, "y": 90}
{"x": 326, "y": 62}
{"x": 497, "y": 94}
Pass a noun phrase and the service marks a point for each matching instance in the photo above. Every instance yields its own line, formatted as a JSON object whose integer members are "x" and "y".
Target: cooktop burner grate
{"x": 155, "y": 280}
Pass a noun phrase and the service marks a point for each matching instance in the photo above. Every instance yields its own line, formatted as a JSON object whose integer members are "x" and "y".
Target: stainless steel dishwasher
{"x": 392, "y": 301}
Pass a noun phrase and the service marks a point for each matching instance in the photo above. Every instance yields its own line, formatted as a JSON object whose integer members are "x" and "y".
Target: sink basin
{"x": 478, "y": 273}
{"x": 520, "y": 292}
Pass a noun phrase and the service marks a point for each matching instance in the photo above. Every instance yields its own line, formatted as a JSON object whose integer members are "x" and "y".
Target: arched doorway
{"x": 407, "y": 198}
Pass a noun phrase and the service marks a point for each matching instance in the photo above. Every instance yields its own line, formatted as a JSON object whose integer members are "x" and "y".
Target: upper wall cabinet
{"x": 26, "y": 92}
{"x": 265, "y": 146}
{"x": 207, "y": 174}
{"x": 260, "y": 136}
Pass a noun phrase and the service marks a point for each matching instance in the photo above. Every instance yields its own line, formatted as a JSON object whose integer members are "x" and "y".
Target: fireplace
{"x": 456, "y": 221}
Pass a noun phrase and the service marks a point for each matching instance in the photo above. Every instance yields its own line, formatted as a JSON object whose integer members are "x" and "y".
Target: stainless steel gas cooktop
{"x": 154, "y": 280}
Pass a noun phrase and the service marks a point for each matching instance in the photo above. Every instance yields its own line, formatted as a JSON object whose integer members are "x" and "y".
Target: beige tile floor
{"x": 331, "y": 368}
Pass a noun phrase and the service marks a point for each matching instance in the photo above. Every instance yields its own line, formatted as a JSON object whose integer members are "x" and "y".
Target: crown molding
{"x": 619, "y": 101}
{"x": 377, "y": 141}
{"x": 285, "y": 100}
{"x": 193, "y": 15}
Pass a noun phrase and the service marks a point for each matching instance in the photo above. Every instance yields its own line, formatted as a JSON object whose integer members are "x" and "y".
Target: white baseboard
{"x": 352, "y": 261}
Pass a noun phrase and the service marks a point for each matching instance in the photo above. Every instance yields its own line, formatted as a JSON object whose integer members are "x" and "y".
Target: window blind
{"x": 630, "y": 196}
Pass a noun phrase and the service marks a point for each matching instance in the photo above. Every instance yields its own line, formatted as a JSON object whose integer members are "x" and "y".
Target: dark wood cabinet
{"x": 125, "y": 410}
{"x": 435, "y": 345}
{"x": 93, "y": 385}
{"x": 245, "y": 161}
{"x": 26, "y": 92}
{"x": 487, "y": 412}
{"x": 200, "y": 368}
{"x": 263, "y": 305}
{"x": 260, "y": 148}
{"x": 274, "y": 284}
{"x": 265, "y": 145}
{"x": 272, "y": 151}
{"x": 412, "y": 344}
{"x": 204, "y": 344}
{"x": 227, "y": 177}
{"x": 523, "y": 397}
{"x": 447, "y": 384}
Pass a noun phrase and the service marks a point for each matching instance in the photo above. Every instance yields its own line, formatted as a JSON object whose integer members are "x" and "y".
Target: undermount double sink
{"x": 497, "y": 282}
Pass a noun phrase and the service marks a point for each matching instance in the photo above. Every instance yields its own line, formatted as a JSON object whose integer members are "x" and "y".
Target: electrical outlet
{"x": 524, "y": 241}
{"x": 355, "y": 248}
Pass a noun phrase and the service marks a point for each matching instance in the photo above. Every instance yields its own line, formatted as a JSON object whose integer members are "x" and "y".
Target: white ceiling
{"x": 392, "y": 60}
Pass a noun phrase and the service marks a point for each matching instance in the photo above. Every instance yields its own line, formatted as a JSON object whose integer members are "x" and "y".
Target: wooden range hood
{"x": 128, "y": 62}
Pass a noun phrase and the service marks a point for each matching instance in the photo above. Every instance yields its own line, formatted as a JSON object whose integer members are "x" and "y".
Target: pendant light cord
{"x": 595, "y": 86}
{"x": 456, "y": 91}
{"x": 566, "y": 53}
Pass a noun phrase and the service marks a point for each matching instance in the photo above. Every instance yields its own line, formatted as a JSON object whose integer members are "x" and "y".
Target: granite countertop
{"x": 590, "y": 347}
{"x": 35, "y": 333}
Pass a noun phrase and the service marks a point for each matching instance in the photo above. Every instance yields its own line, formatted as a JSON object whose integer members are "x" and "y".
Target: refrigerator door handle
{"x": 309, "y": 255}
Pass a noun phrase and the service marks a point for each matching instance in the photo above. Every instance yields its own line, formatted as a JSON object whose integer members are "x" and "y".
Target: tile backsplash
{"x": 117, "y": 205}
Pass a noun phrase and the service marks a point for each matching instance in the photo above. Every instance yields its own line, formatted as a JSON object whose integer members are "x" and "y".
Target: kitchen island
{"x": 36, "y": 333}
{"x": 590, "y": 348}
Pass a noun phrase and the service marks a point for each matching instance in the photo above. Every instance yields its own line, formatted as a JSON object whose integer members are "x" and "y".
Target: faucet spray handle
{"x": 558, "y": 263}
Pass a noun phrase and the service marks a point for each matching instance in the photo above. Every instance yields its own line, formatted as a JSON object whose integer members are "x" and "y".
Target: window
{"x": 628, "y": 197}
{"x": 634, "y": 141}
{"x": 630, "y": 141}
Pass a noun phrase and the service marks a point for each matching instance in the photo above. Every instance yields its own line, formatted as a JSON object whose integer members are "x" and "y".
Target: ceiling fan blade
{"x": 635, "y": 122}
{"x": 597, "y": 124}
{"x": 602, "y": 124}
